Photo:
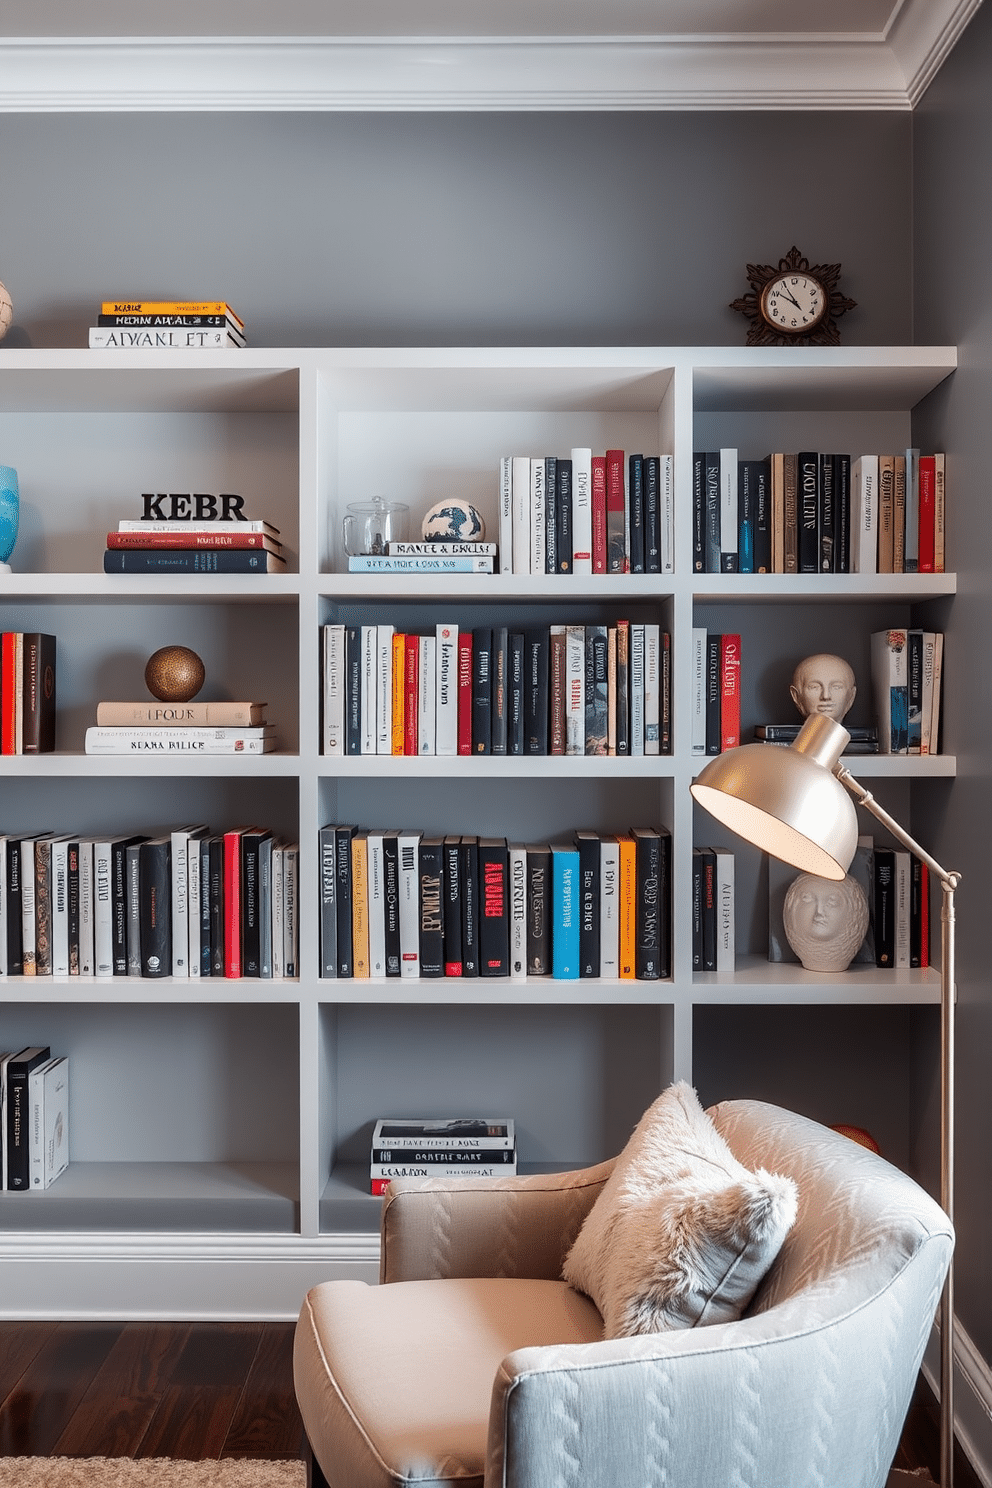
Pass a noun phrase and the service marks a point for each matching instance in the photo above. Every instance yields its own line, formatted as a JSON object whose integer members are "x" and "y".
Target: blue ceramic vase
{"x": 10, "y": 509}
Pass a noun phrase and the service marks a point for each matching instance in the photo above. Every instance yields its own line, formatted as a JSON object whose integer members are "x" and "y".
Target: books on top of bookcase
{"x": 211, "y": 536}
{"x": 187, "y": 325}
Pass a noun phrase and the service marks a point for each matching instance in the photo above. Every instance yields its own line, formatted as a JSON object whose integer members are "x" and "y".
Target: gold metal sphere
{"x": 174, "y": 674}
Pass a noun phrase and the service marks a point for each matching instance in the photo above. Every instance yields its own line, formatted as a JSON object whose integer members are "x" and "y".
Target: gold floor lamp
{"x": 795, "y": 803}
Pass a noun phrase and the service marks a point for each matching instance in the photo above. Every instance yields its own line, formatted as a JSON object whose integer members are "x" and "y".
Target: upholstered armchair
{"x": 476, "y": 1365}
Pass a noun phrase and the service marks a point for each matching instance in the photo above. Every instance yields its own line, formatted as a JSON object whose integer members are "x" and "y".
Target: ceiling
{"x": 105, "y": 55}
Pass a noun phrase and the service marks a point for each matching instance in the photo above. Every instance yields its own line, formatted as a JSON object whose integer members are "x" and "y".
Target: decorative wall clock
{"x": 793, "y": 303}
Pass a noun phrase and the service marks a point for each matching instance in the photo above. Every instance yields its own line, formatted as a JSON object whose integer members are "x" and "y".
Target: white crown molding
{"x": 515, "y": 74}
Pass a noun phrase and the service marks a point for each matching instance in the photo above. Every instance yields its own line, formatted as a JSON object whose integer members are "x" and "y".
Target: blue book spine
{"x": 566, "y": 914}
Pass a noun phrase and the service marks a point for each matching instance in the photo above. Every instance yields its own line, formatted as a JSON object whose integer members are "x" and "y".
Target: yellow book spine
{"x": 399, "y": 644}
{"x": 169, "y": 307}
{"x": 360, "y": 904}
{"x": 628, "y": 906}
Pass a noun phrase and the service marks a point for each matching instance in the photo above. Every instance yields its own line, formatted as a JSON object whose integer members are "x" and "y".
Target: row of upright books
{"x": 34, "y": 1118}
{"x": 586, "y": 514}
{"x": 406, "y": 904}
{"x": 907, "y": 671}
{"x": 458, "y": 1147}
{"x": 155, "y": 325}
{"x": 247, "y": 546}
{"x": 27, "y": 692}
{"x": 716, "y": 695}
{"x": 560, "y": 689}
{"x": 187, "y": 903}
{"x": 814, "y": 512}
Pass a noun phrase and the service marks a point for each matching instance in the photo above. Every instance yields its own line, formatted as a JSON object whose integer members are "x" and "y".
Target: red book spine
{"x": 464, "y": 692}
{"x": 928, "y": 496}
{"x": 616, "y": 494}
{"x": 411, "y": 673}
{"x": 730, "y": 692}
{"x": 8, "y": 689}
{"x": 599, "y": 513}
{"x": 190, "y": 540}
{"x": 232, "y": 903}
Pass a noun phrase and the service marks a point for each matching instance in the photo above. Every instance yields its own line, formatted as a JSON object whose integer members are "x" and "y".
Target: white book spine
{"x": 582, "y": 511}
{"x": 408, "y": 846}
{"x": 56, "y": 1120}
{"x": 103, "y": 927}
{"x": 609, "y": 907}
{"x": 902, "y": 887}
{"x": 538, "y": 516}
{"x": 864, "y": 514}
{"x": 384, "y": 689}
{"x": 517, "y": 856}
{"x": 698, "y": 722}
{"x": 278, "y": 910}
{"x": 377, "y": 905}
{"x": 637, "y": 689}
{"x": 86, "y": 910}
{"x": 666, "y": 514}
{"x": 652, "y": 689}
{"x": 427, "y": 695}
{"x": 725, "y": 911}
{"x": 506, "y": 514}
{"x": 520, "y": 476}
{"x": 938, "y": 667}
{"x": 333, "y": 740}
{"x": 575, "y": 689}
{"x": 446, "y": 697}
{"x": 728, "y": 511}
{"x": 28, "y": 942}
{"x": 180, "y": 903}
{"x": 370, "y": 690}
{"x": 926, "y": 709}
{"x": 36, "y": 1126}
{"x": 60, "y": 908}
{"x": 290, "y": 899}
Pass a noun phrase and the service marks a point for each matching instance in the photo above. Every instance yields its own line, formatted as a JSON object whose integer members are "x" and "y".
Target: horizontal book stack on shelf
{"x": 896, "y": 885}
{"x": 437, "y": 556}
{"x": 586, "y": 514}
{"x": 34, "y": 1119}
{"x": 559, "y": 690}
{"x": 186, "y": 903}
{"x": 906, "y": 673}
{"x": 193, "y": 728}
{"x": 462, "y": 1147}
{"x": 27, "y": 692}
{"x": 713, "y": 909}
{"x": 221, "y": 545}
{"x": 814, "y": 512}
{"x": 407, "y": 904}
{"x": 189, "y": 325}
{"x": 716, "y": 691}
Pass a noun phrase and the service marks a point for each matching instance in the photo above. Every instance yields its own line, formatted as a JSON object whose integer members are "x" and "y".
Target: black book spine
{"x": 391, "y": 883}
{"x": 709, "y": 909}
{"x": 72, "y": 906}
{"x": 328, "y": 903}
{"x": 18, "y": 1134}
{"x": 842, "y": 513}
{"x": 500, "y": 664}
{"x": 563, "y": 541}
{"x": 808, "y": 498}
{"x": 119, "y": 901}
{"x": 539, "y": 910}
{"x": 155, "y": 906}
{"x": 713, "y": 646}
{"x": 711, "y": 480}
{"x": 550, "y": 514}
{"x": 827, "y": 514}
{"x": 699, "y": 512}
{"x": 206, "y": 957}
{"x": 430, "y": 866}
{"x": 635, "y": 489}
{"x": 536, "y": 665}
{"x": 469, "y": 877}
{"x": 494, "y": 907}
{"x": 885, "y": 906}
{"x": 761, "y": 481}
{"x": 342, "y": 853}
{"x": 647, "y": 904}
{"x": 251, "y": 903}
{"x": 15, "y": 930}
{"x": 452, "y": 915}
{"x": 623, "y": 688}
{"x": 515, "y": 714}
{"x": 39, "y": 693}
{"x": 696, "y": 901}
{"x": 353, "y": 689}
{"x": 590, "y": 851}
{"x": 215, "y": 889}
{"x": 482, "y": 699}
{"x": 652, "y": 514}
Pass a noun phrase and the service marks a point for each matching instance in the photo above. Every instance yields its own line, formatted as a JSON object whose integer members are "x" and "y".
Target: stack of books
{"x": 189, "y": 325}
{"x": 461, "y": 1147}
{"x": 34, "y": 1118}
{"x": 230, "y": 547}
{"x": 27, "y": 692}
{"x": 436, "y": 556}
{"x": 194, "y": 729}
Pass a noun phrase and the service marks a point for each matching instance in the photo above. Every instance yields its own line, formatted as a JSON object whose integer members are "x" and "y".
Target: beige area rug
{"x": 148, "y": 1472}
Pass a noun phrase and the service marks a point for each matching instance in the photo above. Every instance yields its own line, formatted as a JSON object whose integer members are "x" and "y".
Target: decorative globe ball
{"x": 6, "y": 312}
{"x": 453, "y": 521}
{"x": 174, "y": 674}
{"x": 10, "y": 508}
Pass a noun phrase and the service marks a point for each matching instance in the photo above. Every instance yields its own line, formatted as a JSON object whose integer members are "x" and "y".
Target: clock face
{"x": 793, "y": 303}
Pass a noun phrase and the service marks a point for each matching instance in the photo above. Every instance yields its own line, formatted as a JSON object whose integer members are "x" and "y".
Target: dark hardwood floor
{"x": 193, "y": 1390}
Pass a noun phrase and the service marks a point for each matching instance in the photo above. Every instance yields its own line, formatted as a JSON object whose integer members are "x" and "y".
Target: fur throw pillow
{"x": 682, "y": 1233}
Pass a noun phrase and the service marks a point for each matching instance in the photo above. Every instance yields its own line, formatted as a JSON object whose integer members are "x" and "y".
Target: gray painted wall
{"x": 953, "y": 231}
{"x": 386, "y": 229}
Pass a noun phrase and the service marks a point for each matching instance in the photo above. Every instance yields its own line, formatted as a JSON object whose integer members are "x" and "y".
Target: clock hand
{"x": 791, "y": 297}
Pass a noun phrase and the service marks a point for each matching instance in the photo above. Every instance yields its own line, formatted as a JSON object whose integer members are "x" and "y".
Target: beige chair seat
{"x": 415, "y": 1408}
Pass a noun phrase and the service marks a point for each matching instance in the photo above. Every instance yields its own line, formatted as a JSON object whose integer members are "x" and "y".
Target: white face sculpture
{"x": 823, "y": 684}
{"x": 825, "y": 920}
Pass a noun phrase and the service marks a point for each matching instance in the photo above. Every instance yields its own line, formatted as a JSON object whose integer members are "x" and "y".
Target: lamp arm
{"x": 948, "y": 879}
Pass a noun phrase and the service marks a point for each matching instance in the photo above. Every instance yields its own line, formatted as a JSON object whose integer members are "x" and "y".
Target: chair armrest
{"x": 517, "y": 1226}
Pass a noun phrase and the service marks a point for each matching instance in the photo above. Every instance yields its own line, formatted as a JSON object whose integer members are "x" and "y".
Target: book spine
{"x": 409, "y": 910}
{"x": 360, "y": 904}
{"x": 808, "y": 511}
{"x": 539, "y": 910}
{"x": 38, "y": 684}
{"x": 144, "y": 560}
{"x": 494, "y": 927}
{"x": 730, "y": 691}
{"x": 724, "y": 897}
{"x": 628, "y": 907}
{"x": 652, "y": 514}
{"x": 745, "y": 517}
{"x": 43, "y": 907}
{"x": 729, "y": 530}
{"x": 652, "y": 688}
{"x": 647, "y": 904}
{"x": 927, "y": 521}
{"x": 328, "y": 902}
{"x": 376, "y": 898}
{"x": 291, "y": 919}
{"x": 452, "y": 907}
{"x": 536, "y": 691}
{"x": 218, "y": 538}
{"x": 391, "y": 880}
{"x": 609, "y": 907}
{"x": 842, "y": 513}
{"x": 714, "y": 646}
{"x": 565, "y": 926}
{"x": 333, "y": 690}
{"x": 215, "y": 891}
{"x": 600, "y": 545}
{"x": 232, "y": 903}
{"x": 864, "y": 514}
{"x": 155, "y": 906}
{"x": 582, "y": 543}
{"x": 590, "y": 852}
{"x": 466, "y": 672}
{"x": 482, "y": 644}
{"x": 499, "y": 691}
{"x": 597, "y": 681}
{"x": 517, "y": 893}
{"x": 446, "y": 700}
{"x": 506, "y": 514}
{"x": 384, "y": 688}
{"x": 353, "y": 690}
{"x": 515, "y": 706}
{"x": 636, "y": 689}
{"x": 411, "y": 694}
{"x": 17, "y": 1148}
{"x": 520, "y": 478}
{"x": 538, "y": 516}
{"x": 469, "y": 875}
{"x": 431, "y": 871}
{"x": 556, "y": 690}
{"x": 564, "y": 513}
{"x": 426, "y": 694}
{"x": 622, "y": 713}
{"x": 616, "y": 542}
{"x": 575, "y": 689}
{"x": 885, "y": 907}
{"x": 713, "y": 517}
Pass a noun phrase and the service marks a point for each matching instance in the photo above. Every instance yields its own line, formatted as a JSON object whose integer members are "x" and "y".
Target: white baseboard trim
{"x": 972, "y": 1397}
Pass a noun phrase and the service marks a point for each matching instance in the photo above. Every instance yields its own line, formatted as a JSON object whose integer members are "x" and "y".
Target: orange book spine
{"x": 398, "y": 694}
{"x": 628, "y": 906}
{"x": 360, "y": 904}
{"x": 411, "y": 678}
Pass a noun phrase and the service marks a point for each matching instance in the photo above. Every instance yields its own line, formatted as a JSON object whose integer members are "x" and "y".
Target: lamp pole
{"x": 948, "y": 993}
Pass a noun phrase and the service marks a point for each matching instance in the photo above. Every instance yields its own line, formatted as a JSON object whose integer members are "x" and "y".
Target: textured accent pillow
{"x": 682, "y": 1233}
